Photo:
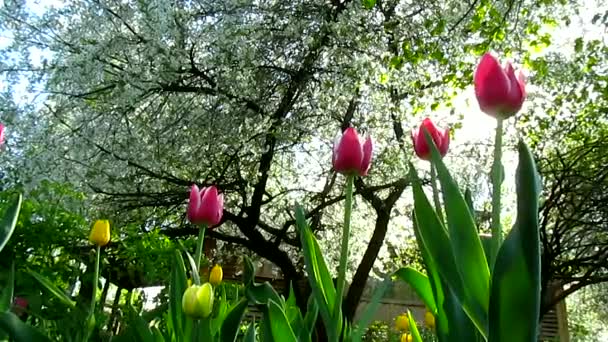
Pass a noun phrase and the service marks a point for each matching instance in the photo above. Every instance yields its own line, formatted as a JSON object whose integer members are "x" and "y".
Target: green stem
{"x": 348, "y": 207}
{"x": 95, "y": 280}
{"x": 199, "y": 248}
{"x": 496, "y": 187}
{"x": 436, "y": 193}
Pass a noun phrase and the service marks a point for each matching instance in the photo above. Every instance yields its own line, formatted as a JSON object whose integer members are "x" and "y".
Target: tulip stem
{"x": 497, "y": 178}
{"x": 95, "y": 280}
{"x": 348, "y": 207}
{"x": 199, "y": 249}
{"x": 436, "y": 193}
{"x": 91, "y": 326}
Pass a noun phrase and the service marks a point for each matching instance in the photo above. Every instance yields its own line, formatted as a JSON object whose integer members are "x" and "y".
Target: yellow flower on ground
{"x": 100, "y": 233}
{"x": 429, "y": 320}
{"x": 197, "y": 301}
{"x": 215, "y": 277}
{"x": 402, "y": 323}
{"x": 406, "y": 338}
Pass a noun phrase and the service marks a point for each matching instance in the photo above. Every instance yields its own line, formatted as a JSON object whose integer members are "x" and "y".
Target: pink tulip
{"x": 499, "y": 92}
{"x": 1, "y": 134}
{"x": 206, "y": 206}
{"x": 440, "y": 138}
{"x": 352, "y": 154}
{"x": 20, "y": 305}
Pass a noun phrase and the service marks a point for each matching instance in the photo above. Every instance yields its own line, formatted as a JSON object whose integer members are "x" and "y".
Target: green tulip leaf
{"x": 177, "y": 287}
{"x": 515, "y": 298}
{"x": 232, "y": 324}
{"x": 413, "y": 327}
{"x": 6, "y": 296}
{"x": 468, "y": 251}
{"x": 279, "y": 326}
{"x": 420, "y": 284}
{"x": 19, "y": 331}
{"x": 318, "y": 274}
{"x": 7, "y": 225}
{"x": 432, "y": 234}
{"x": 250, "y": 334}
{"x": 53, "y": 289}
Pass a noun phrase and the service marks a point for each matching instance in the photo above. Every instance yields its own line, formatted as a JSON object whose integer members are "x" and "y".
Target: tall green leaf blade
{"x": 433, "y": 235}
{"x": 318, "y": 273}
{"x": 19, "y": 331}
{"x": 6, "y": 297}
{"x": 250, "y": 334}
{"x": 452, "y": 323}
{"x": 49, "y": 286}
{"x": 312, "y": 311}
{"x": 281, "y": 330}
{"x": 177, "y": 287}
{"x": 413, "y": 327}
{"x": 232, "y": 324}
{"x": 515, "y": 298}
{"x": 420, "y": 284}
{"x": 468, "y": 251}
{"x": 7, "y": 226}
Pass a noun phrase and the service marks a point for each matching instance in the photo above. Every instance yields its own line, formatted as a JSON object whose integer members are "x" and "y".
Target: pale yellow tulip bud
{"x": 197, "y": 301}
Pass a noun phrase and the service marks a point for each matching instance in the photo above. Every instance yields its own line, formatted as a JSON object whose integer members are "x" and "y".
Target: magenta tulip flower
{"x": 499, "y": 92}
{"x": 1, "y": 134}
{"x": 441, "y": 138}
{"x": 206, "y": 206}
{"x": 352, "y": 154}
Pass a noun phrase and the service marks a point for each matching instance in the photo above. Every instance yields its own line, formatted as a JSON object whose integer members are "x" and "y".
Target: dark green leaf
{"x": 250, "y": 334}
{"x": 515, "y": 298}
{"x": 7, "y": 226}
{"x": 49, "y": 286}
{"x": 177, "y": 287}
{"x": 232, "y": 324}
{"x": 248, "y": 271}
{"x": 6, "y": 297}
{"x": 19, "y": 331}
{"x": 262, "y": 293}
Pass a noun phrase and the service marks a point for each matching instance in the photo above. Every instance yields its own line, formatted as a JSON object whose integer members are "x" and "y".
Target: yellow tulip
{"x": 402, "y": 323}
{"x": 429, "y": 320}
{"x": 100, "y": 233}
{"x": 215, "y": 278}
{"x": 197, "y": 301}
{"x": 406, "y": 338}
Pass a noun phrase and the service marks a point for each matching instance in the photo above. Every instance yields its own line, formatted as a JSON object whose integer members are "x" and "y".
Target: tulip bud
{"x": 100, "y": 233}
{"x": 352, "y": 154}
{"x": 197, "y": 301}
{"x": 440, "y": 138}
{"x": 402, "y": 323}
{"x": 215, "y": 278}
{"x": 206, "y": 206}
{"x": 499, "y": 92}
{"x": 429, "y": 320}
{"x": 406, "y": 338}
{"x": 20, "y": 305}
